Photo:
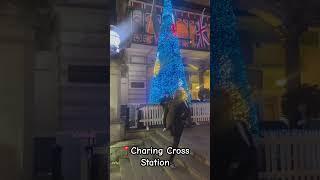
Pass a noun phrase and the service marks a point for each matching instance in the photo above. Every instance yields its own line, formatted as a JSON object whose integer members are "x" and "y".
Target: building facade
{"x": 140, "y": 55}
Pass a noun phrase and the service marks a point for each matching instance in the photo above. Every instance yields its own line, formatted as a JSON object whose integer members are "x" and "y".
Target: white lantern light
{"x": 114, "y": 41}
{"x": 114, "y": 38}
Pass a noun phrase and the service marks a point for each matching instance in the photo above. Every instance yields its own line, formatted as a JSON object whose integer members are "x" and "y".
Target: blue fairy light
{"x": 169, "y": 71}
{"x": 225, "y": 52}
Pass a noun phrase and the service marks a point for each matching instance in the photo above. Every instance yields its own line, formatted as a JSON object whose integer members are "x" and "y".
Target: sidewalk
{"x": 198, "y": 139}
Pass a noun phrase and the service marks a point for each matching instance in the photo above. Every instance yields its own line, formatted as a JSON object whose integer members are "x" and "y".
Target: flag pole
{"x": 203, "y": 12}
{"x": 153, "y": 2}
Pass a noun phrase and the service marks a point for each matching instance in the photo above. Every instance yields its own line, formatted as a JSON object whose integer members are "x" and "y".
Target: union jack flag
{"x": 202, "y": 37}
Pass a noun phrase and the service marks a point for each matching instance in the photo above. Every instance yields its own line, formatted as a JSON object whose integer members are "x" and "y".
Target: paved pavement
{"x": 197, "y": 139}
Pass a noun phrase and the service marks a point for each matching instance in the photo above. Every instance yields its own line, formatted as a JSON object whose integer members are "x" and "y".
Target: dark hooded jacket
{"x": 177, "y": 115}
{"x": 165, "y": 105}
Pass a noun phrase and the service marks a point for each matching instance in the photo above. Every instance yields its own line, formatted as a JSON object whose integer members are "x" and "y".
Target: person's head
{"x": 179, "y": 94}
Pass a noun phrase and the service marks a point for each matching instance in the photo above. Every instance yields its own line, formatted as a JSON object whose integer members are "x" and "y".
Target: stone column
{"x": 116, "y": 126}
{"x": 292, "y": 61}
{"x": 290, "y": 36}
{"x": 202, "y": 70}
{"x": 201, "y": 79}
{"x": 294, "y": 17}
{"x": 28, "y": 128}
{"x": 45, "y": 94}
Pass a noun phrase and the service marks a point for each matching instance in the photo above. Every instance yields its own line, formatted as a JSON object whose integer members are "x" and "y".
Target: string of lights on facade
{"x": 228, "y": 69}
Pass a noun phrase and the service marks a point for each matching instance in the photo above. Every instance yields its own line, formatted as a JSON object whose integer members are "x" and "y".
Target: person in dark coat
{"x": 177, "y": 115}
{"x": 302, "y": 116}
{"x": 244, "y": 158}
{"x": 189, "y": 123}
{"x": 164, "y": 102}
{"x": 234, "y": 151}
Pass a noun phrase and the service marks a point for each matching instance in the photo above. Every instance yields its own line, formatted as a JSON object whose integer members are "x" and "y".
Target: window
{"x": 88, "y": 74}
{"x": 139, "y": 85}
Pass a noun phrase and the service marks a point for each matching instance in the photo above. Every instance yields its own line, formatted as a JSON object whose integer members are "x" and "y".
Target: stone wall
{"x": 82, "y": 38}
{"x": 16, "y": 50}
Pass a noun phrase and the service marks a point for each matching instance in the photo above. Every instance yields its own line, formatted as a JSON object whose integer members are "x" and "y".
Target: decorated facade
{"x": 191, "y": 28}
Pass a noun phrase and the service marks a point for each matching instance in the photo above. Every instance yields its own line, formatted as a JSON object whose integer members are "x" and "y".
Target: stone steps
{"x": 115, "y": 172}
{"x": 137, "y": 134}
{"x": 139, "y": 171}
{"x": 195, "y": 167}
{"x": 126, "y": 170}
{"x": 189, "y": 167}
{"x": 179, "y": 173}
{"x": 197, "y": 155}
{"x": 147, "y": 173}
{"x": 130, "y": 168}
{"x": 123, "y": 169}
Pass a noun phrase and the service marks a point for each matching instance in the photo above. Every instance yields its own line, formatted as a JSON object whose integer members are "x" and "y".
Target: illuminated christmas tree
{"x": 228, "y": 68}
{"x": 169, "y": 72}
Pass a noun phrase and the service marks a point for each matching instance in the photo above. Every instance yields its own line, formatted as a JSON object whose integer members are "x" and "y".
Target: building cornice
{"x": 183, "y": 5}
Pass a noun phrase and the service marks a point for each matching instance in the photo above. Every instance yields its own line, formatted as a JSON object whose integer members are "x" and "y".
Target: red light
{"x": 126, "y": 148}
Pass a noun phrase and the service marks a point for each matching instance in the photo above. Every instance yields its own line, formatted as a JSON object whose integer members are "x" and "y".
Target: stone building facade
{"x": 140, "y": 54}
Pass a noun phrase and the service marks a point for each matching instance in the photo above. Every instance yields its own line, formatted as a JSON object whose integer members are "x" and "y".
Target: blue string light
{"x": 225, "y": 51}
{"x": 171, "y": 74}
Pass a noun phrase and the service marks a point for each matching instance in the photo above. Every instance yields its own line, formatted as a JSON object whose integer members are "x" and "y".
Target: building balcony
{"x": 150, "y": 39}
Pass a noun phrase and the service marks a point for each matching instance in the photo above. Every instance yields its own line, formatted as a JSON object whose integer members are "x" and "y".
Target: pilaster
{"x": 116, "y": 126}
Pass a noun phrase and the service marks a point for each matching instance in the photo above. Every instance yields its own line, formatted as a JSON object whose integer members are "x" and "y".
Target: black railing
{"x": 150, "y": 39}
